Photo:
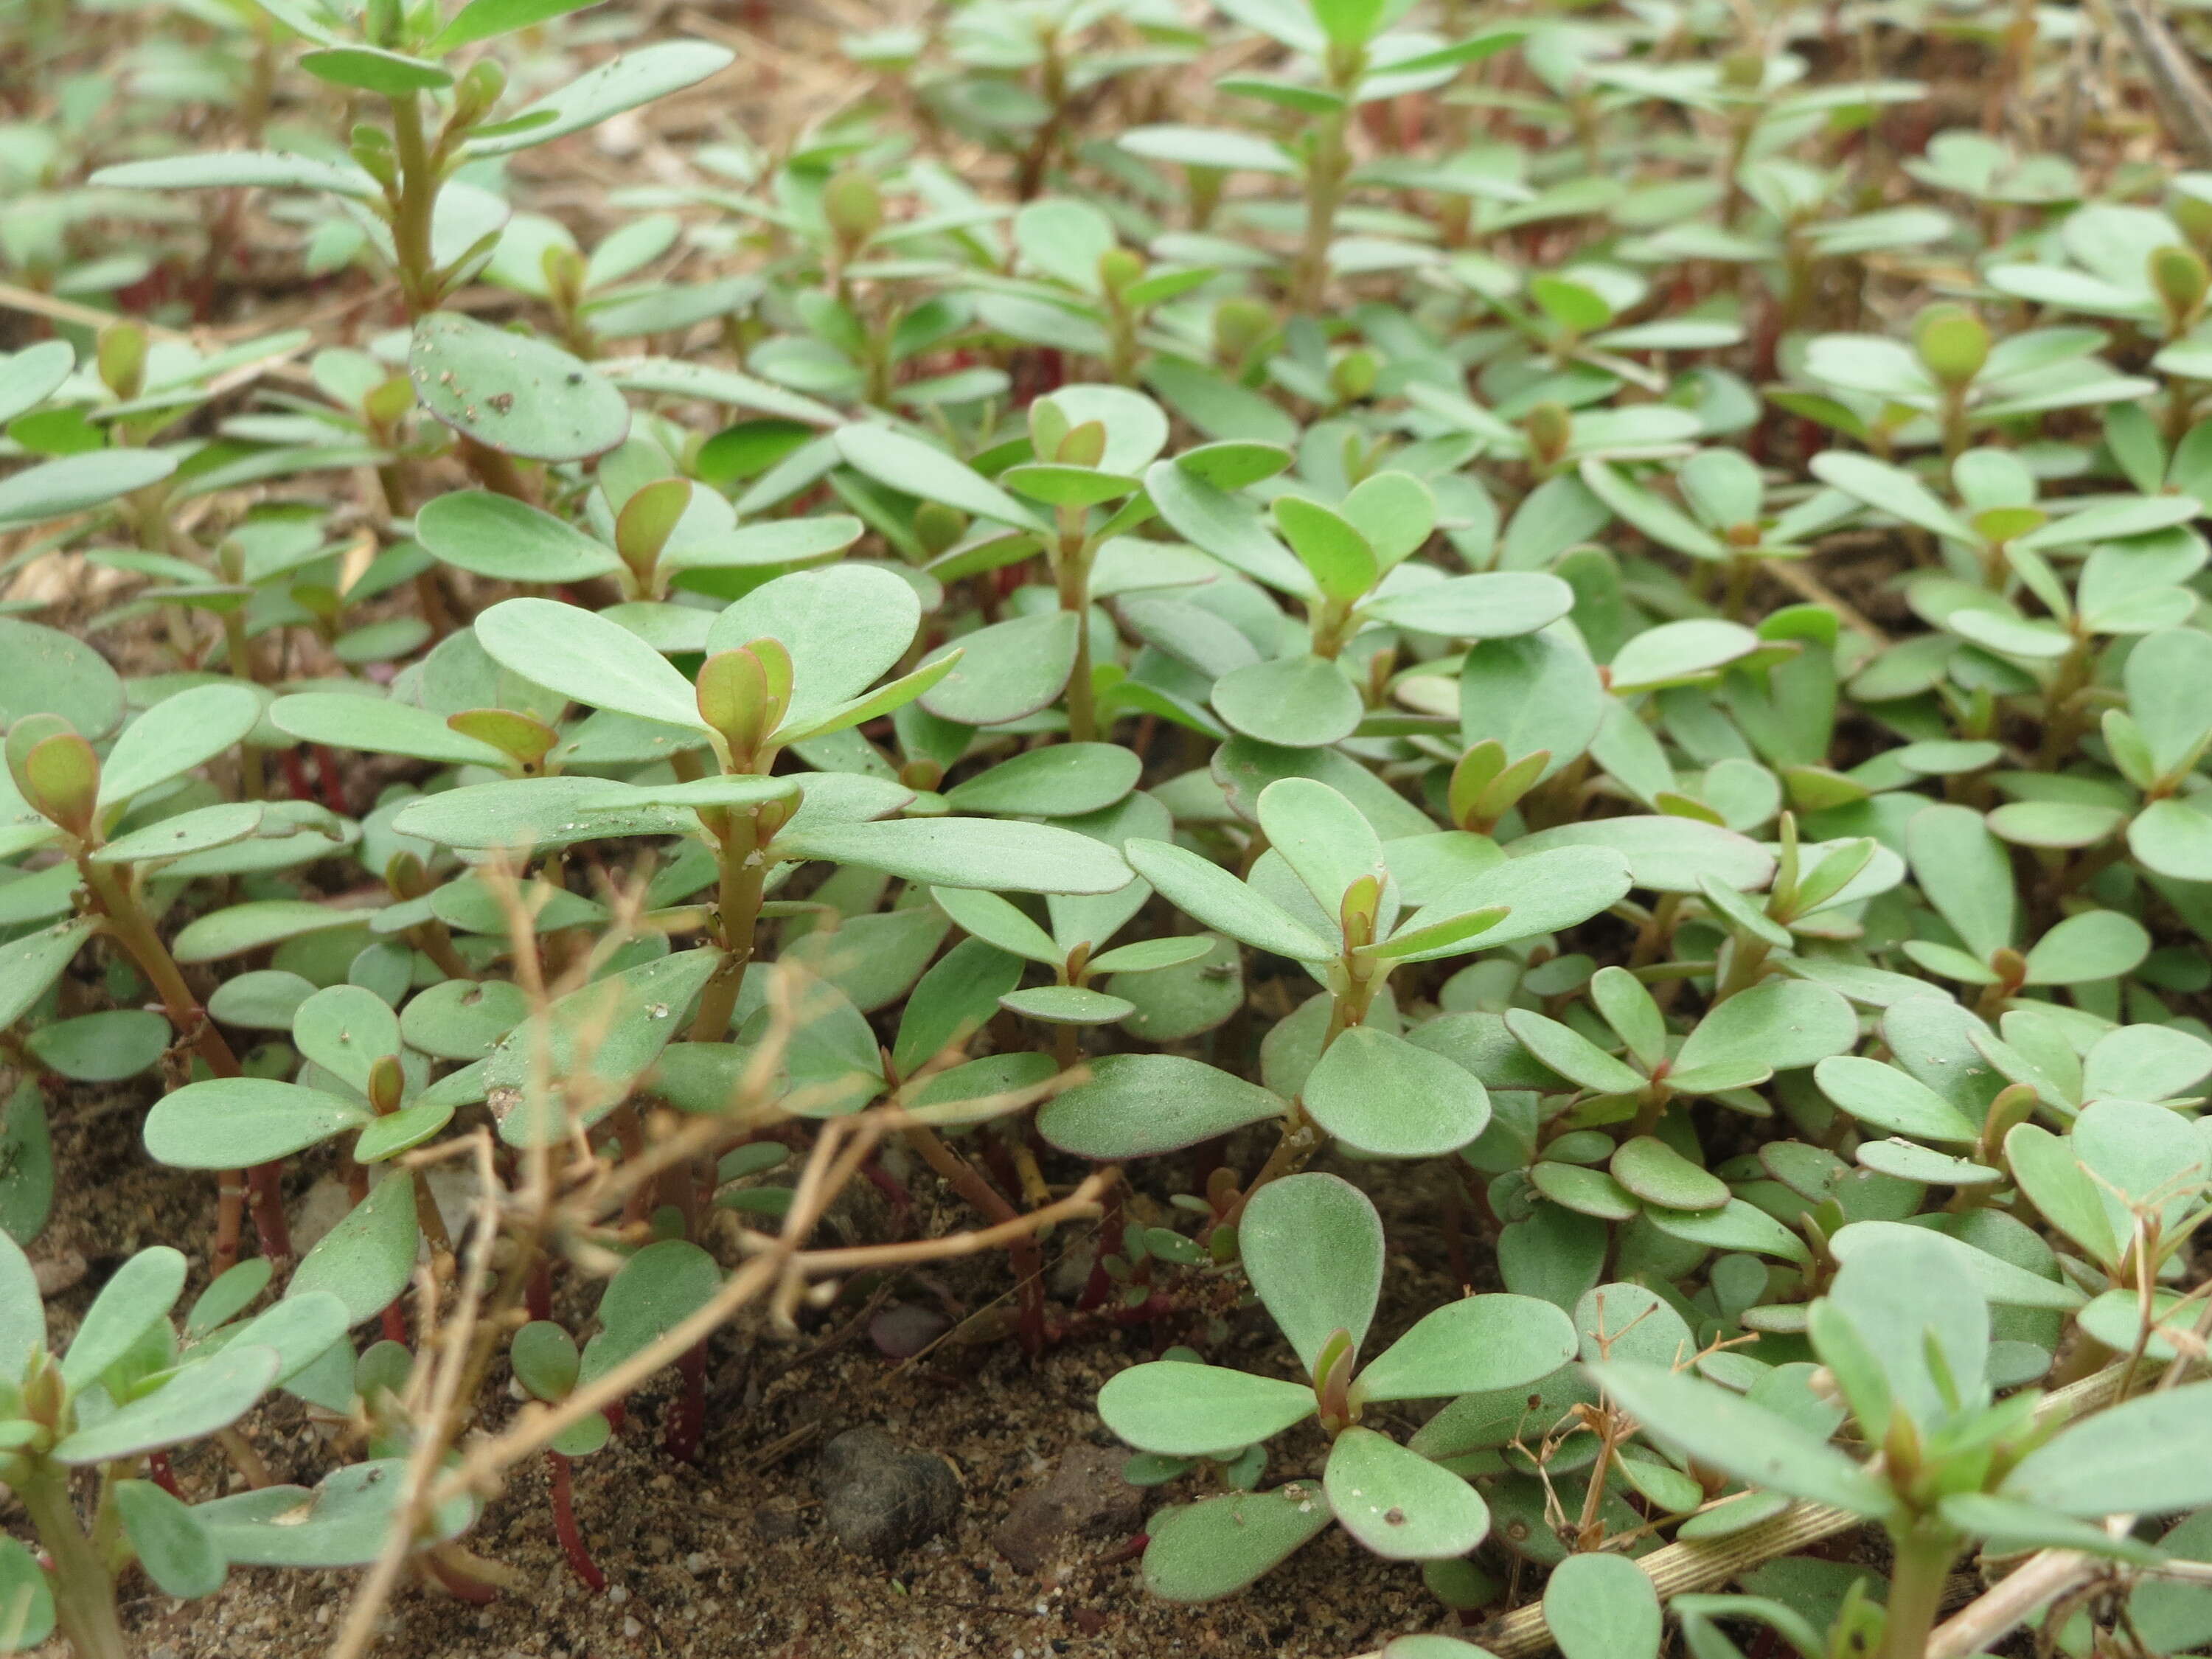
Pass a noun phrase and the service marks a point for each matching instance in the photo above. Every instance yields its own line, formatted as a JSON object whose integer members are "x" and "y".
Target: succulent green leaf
{"x": 990, "y": 852}
{"x": 1474, "y": 1345}
{"x": 174, "y": 735}
{"x": 1209, "y": 894}
{"x": 513, "y": 392}
{"x": 1399, "y": 1504}
{"x": 2144, "y": 1456}
{"x": 484, "y": 19}
{"x": 1667, "y": 855}
{"x": 230, "y": 1123}
{"x": 1777, "y": 1026}
{"x": 1655, "y": 1172}
{"x": 1883, "y": 1097}
{"x": 1312, "y": 1247}
{"x": 589, "y": 660}
{"x": 1136, "y": 1105}
{"x": 655, "y": 1292}
{"x": 30, "y": 965}
{"x": 43, "y": 670}
{"x": 1729, "y": 1433}
{"x": 1181, "y": 1410}
{"x": 1378, "y": 1093}
{"x": 1298, "y": 702}
{"x": 366, "y": 1260}
{"x": 23, "y": 1310}
{"x": 508, "y": 540}
{"x": 176, "y": 1551}
{"x": 1602, "y": 1606}
{"x": 620, "y": 83}
{"x": 1008, "y": 670}
{"x": 1572, "y": 1055}
{"x": 914, "y": 468}
{"x": 140, "y": 1294}
{"x": 27, "y": 1601}
{"x": 1201, "y": 1551}
{"x": 202, "y": 1397}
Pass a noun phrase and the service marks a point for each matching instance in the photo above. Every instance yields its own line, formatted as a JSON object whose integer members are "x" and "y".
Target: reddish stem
{"x": 333, "y": 792}
{"x": 264, "y": 1191}
{"x": 157, "y": 1465}
{"x": 564, "y": 1528}
{"x": 395, "y": 1325}
{"x": 1028, "y": 1259}
{"x": 539, "y": 1291}
{"x": 1100, "y": 1284}
{"x": 687, "y": 1418}
{"x": 296, "y": 776}
{"x": 891, "y": 1187}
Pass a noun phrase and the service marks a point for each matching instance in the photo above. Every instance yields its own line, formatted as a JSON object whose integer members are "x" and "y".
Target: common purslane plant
{"x": 1512, "y": 709}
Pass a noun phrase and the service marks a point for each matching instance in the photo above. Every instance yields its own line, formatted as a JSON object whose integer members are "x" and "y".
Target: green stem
{"x": 84, "y": 1592}
{"x": 2180, "y": 409}
{"x": 1326, "y": 176}
{"x": 1737, "y": 596}
{"x": 418, "y": 199}
{"x": 128, "y": 926}
{"x": 127, "y": 923}
{"x": 1074, "y": 574}
{"x": 497, "y": 472}
{"x": 2062, "y": 724}
{"x": 244, "y": 665}
{"x": 1733, "y": 197}
{"x": 1331, "y": 621}
{"x": 1300, "y": 1141}
{"x": 1656, "y": 934}
{"x": 1747, "y": 966}
{"x": 433, "y": 939}
{"x": 1955, "y": 434}
{"x": 742, "y": 871}
{"x": 1037, "y": 161}
{"x": 1916, "y": 1591}
{"x": 1122, "y": 349}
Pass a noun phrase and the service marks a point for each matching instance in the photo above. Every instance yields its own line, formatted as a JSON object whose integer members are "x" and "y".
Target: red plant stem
{"x": 687, "y": 1418}
{"x": 967, "y": 1181}
{"x": 1455, "y": 1230}
{"x": 265, "y": 1192}
{"x": 395, "y": 1325}
{"x": 564, "y": 1526}
{"x": 629, "y": 1135}
{"x": 1100, "y": 1284}
{"x": 157, "y": 1466}
{"x": 296, "y": 776}
{"x": 890, "y": 1186}
{"x": 539, "y": 1291}
{"x": 229, "y": 1218}
{"x": 128, "y": 924}
{"x": 1026, "y": 1254}
{"x": 333, "y": 790}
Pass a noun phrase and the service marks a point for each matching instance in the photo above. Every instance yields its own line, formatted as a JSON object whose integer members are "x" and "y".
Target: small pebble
{"x": 881, "y": 1499}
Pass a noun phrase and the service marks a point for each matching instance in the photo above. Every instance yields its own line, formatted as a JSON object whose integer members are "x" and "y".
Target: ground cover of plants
{"x": 1327, "y": 827}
